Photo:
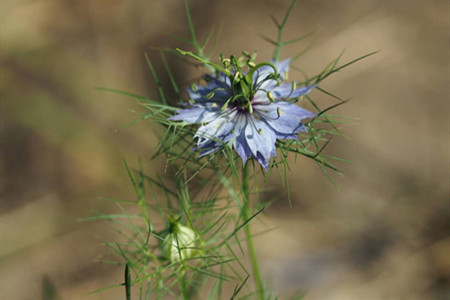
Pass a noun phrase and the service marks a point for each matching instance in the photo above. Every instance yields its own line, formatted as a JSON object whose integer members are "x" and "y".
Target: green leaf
{"x": 162, "y": 96}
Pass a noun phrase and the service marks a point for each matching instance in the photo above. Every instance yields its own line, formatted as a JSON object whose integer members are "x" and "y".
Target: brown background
{"x": 383, "y": 234}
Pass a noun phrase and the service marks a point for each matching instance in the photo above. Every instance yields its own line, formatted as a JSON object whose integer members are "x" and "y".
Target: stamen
{"x": 279, "y": 112}
{"x": 226, "y": 62}
{"x": 236, "y": 76}
{"x": 225, "y": 106}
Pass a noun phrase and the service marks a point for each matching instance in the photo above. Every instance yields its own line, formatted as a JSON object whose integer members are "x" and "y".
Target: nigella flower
{"x": 248, "y": 110}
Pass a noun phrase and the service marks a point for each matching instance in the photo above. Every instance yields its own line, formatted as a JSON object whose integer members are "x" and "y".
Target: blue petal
{"x": 242, "y": 148}
{"x": 285, "y": 91}
{"x": 264, "y": 71}
{"x": 216, "y": 130}
{"x": 283, "y": 117}
{"x": 196, "y": 114}
{"x": 283, "y": 67}
{"x": 260, "y": 139}
{"x": 238, "y": 134}
{"x": 220, "y": 89}
{"x": 208, "y": 148}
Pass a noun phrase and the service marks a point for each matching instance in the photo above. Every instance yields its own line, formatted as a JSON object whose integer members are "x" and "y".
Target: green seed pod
{"x": 179, "y": 244}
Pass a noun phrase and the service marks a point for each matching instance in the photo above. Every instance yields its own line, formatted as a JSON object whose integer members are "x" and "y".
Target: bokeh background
{"x": 382, "y": 234}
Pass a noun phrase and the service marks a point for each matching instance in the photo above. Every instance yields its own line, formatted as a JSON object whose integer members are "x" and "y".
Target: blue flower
{"x": 248, "y": 110}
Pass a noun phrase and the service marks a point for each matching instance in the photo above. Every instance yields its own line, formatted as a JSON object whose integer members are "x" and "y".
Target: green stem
{"x": 182, "y": 284}
{"x": 276, "y": 56}
{"x": 246, "y": 213}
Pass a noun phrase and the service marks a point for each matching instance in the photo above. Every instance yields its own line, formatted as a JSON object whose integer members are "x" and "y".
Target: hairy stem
{"x": 246, "y": 213}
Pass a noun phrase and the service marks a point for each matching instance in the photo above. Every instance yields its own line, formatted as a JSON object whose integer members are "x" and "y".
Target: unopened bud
{"x": 179, "y": 244}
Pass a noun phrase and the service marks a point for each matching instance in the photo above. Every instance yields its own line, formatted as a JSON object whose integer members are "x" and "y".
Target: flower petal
{"x": 283, "y": 117}
{"x": 261, "y": 141}
{"x": 261, "y": 74}
{"x": 218, "y": 91}
{"x": 238, "y": 135}
{"x": 196, "y": 114}
{"x": 283, "y": 67}
{"x": 208, "y": 148}
{"x": 217, "y": 129}
{"x": 285, "y": 91}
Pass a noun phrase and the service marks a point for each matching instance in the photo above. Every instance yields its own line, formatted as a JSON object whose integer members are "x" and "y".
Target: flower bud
{"x": 179, "y": 244}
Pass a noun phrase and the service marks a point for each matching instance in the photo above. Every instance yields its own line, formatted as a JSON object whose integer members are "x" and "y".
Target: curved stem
{"x": 246, "y": 214}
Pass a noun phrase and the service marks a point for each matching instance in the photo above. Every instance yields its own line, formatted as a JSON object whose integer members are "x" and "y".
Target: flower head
{"x": 248, "y": 110}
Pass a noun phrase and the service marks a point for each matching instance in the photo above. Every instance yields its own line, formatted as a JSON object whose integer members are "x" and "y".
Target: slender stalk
{"x": 127, "y": 282}
{"x": 246, "y": 213}
{"x": 280, "y": 43}
{"x": 182, "y": 284}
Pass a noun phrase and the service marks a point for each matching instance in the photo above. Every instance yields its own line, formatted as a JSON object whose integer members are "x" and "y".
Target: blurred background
{"x": 382, "y": 234}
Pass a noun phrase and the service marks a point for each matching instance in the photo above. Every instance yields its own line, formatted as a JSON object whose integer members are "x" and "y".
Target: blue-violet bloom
{"x": 249, "y": 112}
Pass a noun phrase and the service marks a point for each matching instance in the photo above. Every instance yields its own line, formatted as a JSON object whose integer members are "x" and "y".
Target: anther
{"x": 279, "y": 112}
{"x": 236, "y": 76}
